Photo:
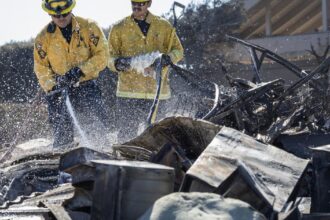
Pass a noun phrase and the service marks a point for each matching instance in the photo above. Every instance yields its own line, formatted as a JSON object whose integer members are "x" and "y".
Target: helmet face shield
{"x": 58, "y": 7}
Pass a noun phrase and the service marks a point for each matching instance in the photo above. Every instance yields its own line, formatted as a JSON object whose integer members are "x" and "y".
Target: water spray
{"x": 141, "y": 62}
{"x": 74, "y": 118}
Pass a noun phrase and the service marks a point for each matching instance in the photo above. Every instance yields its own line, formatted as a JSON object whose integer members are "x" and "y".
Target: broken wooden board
{"x": 278, "y": 170}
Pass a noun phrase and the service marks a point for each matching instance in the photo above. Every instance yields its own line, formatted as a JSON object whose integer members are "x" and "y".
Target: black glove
{"x": 69, "y": 78}
{"x": 123, "y": 64}
{"x": 164, "y": 58}
{"x": 56, "y": 88}
{"x": 53, "y": 92}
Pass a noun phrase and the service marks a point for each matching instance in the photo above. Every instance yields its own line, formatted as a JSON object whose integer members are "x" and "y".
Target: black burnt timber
{"x": 239, "y": 120}
{"x": 256, "y": 64}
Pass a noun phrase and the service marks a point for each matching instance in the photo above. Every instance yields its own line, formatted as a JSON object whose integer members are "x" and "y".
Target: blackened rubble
{"x": 265, "y": 110}
{"x": 247, "y": 147}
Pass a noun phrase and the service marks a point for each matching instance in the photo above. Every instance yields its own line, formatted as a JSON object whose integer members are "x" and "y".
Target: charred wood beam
{"x": 239, "y": 119}
{"x": 273, "y": 56}
{"x": 256, "y": 64}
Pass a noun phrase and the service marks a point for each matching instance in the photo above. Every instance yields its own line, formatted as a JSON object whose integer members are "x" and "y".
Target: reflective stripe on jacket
{"x": 88, "y": 50}
{"x": 127, "y": 40}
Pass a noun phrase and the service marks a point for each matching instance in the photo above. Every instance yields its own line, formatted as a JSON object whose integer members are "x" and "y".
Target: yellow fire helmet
{"x": 58, "y": 7}
{"x": 140, "y": 0}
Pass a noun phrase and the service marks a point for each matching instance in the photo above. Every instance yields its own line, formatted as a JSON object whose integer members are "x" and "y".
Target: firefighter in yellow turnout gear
{"x": 138, "y": 34}
{"x": 69, "y": 53}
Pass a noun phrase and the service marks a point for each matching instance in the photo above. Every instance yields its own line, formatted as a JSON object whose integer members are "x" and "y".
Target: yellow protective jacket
{"x": 88, "y": 50}
{"x": 127, "y": 40}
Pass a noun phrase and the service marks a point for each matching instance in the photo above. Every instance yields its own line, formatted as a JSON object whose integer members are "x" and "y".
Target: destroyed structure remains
{"x": 259, "y": 150}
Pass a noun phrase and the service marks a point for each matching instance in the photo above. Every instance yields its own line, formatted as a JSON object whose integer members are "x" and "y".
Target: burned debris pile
{"x": 242, "y": 160}
{"x": 178, "y": 154}
{"x": 265, "y": 110}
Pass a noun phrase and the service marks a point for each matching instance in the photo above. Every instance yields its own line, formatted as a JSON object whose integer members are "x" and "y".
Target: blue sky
{"x": 21, "y": 20}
